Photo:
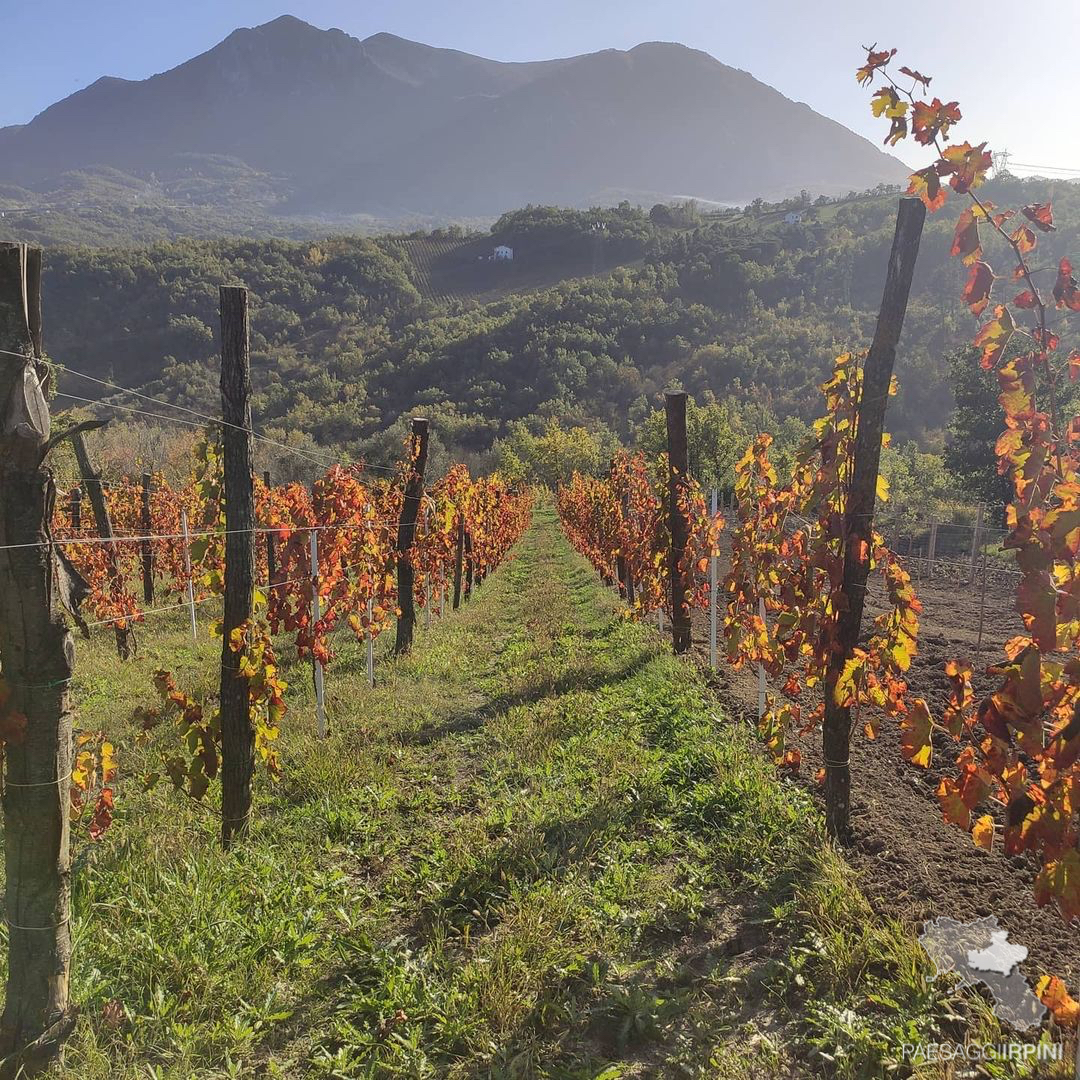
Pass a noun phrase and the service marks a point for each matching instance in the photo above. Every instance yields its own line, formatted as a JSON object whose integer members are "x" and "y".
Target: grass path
{"x": 532, "y": 851}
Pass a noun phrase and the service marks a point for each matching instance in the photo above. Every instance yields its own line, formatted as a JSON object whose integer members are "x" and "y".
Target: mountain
{"x": 391, "y": 127}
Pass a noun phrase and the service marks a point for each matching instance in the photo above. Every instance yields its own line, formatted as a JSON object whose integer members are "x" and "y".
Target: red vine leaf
{"x": 977, "y": 289}
{"x": 1041, "y": 214}
{"x": 966, "y": 237}
{"x": 966, "y": 165}
{"x": 1066, "y": 292}
{"x": 928, "y": 121}
{"x": 926, "y": 184}
{"x": 874, "y": 60}
{"x": 994, "y": 336}
{"x": 1053, "y": 993}
{"x": 1060, "y": 880}
{"x": 924, "y": 79}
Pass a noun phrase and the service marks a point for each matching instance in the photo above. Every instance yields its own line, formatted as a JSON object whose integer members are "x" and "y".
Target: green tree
{"x": 974, "y": 429}
{"x": 553, "y": 454}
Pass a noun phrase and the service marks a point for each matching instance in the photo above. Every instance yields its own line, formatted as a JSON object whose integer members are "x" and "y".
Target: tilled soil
{"x": 914, "y": 865}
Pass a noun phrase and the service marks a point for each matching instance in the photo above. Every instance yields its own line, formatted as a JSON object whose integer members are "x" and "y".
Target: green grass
{"x": 533, "y": 850}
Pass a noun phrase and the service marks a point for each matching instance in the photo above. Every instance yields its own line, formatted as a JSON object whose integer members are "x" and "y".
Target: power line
{"x": 191, "y": 412}
{"x": 276, "y": 531}
{"x": 1049, "y": 168}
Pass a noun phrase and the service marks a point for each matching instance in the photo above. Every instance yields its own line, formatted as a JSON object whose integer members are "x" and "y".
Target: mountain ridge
{"x": 389, "y": 125}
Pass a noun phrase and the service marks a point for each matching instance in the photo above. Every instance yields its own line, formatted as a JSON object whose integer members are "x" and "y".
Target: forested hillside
{"x": 349, "y": 334}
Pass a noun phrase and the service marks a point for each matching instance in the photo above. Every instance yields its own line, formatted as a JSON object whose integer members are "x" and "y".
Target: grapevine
{"x": 1021, "y": 743}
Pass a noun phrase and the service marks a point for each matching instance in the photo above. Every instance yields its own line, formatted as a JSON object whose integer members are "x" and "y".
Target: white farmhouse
{"x": 503, "y": 254}
{"x": 793, "y": 217}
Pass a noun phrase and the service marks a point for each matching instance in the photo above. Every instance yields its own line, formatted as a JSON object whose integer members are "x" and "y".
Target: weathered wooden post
{"x": 190, "y": 583}
{"x": 271, "y": 553}
{"x": 370, "y": 642}
{"x": 237, "y": 732}
{"x": 318, "y": 674}
{"x": 877, "y": 375}
{"x": 630, "y": 596}
{"x": 459, "y": 558}
{"x": 678, "y": 489}
{"x": 976, "y": 538}
{"x": 410, "y": 510}
{"x": 469, "y": 568}
{"x": 620, "y": 558}
{"x": 147, "y": 551}
{"x": 125, "y": 638}
{"x": 713, "y": 581}
{"x": 76, "y": 510}
{"x": 37, "y": 655}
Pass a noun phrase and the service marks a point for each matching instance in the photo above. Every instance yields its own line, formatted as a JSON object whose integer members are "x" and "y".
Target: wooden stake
{"x": 370, "y": 642}
{"x": 76, "y": 511}
{"x": 125, "y": 638}
{"x": 713, "y": 663}
{"x": 188, "y": 575}
{"x": 414, "y": 490}
{"x": 982, "y": 610}
{"x": 146, "y": 526}
{"x": 470, "y": 569}
{"x": 271, "y": 551}
{"x": 976, "y": 538}
{"x": 620, "y": 559}
{"x": 237, "y": 731}
{"x": 761, "y": 667}
{"x": 877, "y": 375}
{"x": 678, "y": 486}
{"x": 316, "y": 664}
{"x": 37, "y": 655}
{"x": 932, "y": 551}
{"x": 630, "y": 597}
{"x": 459, "y": 556}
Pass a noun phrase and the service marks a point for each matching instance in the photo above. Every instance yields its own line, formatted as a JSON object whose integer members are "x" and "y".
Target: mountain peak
{"x": 391, "y": 126}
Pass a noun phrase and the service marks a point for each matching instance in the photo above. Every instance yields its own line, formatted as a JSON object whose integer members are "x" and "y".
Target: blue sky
{"x": 1009, "y": 93}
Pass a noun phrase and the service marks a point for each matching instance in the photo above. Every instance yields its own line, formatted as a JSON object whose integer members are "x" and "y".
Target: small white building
{"x": 503, "y": 254}
{"x": 793, "y": 217}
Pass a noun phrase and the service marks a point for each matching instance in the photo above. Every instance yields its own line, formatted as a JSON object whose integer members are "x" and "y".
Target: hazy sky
{"x": 1010, "y": 95}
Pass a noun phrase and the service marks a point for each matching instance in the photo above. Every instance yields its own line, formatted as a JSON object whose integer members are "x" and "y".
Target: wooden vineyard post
{"x": 982, "y": 614}
{"x": 932, "y": 550}
{"x": 237, "y": 731}
{"x": 37, "y": 655}
{"x": 271, "y": 553}
{"x": 147, "y": 551}
{"x": 877, "y": 376}
{"x": 675, "y": 402}
{"x": 629, "y": 572}
{"x": 761, "y": 684}
{"x": 469, "y": 569}
{"x": 976, "y": 538}
{"x": 76, "y": 510}
{"x": 410, "y": 510}
{"x": 370, "y": 642}
{"x": 620, "y": 559}
{"x": 459, "y": 556}
{"x": 316, "y": 664}
{"x": 713, "y": 569}
{"x": 187, "y": 574}
{"x": 427, "y": 574}
{"x": 125, "y": 645}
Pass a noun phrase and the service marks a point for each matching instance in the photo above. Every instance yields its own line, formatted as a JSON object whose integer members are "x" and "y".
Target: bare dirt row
{"x": 915, "y": 865}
